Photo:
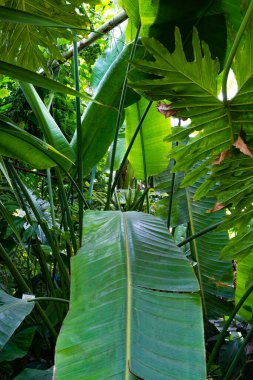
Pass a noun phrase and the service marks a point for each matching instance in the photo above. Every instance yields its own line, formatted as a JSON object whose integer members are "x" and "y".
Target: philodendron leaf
{"x": 12, "y": 312}
{"x": 21, "y": 145}
{"x": 25, "y": 41}
{"x": 131, "y": 296}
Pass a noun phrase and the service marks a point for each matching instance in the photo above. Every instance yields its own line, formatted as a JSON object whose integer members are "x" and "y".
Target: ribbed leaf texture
{"x": 219, "y": 139}
{"x": 132, "y": 291}
{"x": 23, "y": 44}
{"x": 12, "y": 312}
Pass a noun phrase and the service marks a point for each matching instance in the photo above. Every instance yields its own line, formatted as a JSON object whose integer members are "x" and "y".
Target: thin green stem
{"x": 144, "y": 160}
{"x": 226, "y": 326}
{"x": 234, "y": 50}
{"x": 172, "y": 191}
{"x": 92, "y": 178}
{"x": 200, "y": 233}
{"x": 79, "y": 146}
{"x": 66, "y": 209}
{"x": 42, "y": 223}
{"x": 51, "y": 197}
{"x": 130, "y": 146}
{"x": 118, "y": 122}
{"x": 195, "y": 251}
{"x": 51, "y": 299}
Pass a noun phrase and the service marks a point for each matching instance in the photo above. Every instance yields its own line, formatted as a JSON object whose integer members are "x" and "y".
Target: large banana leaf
{"x": 50, "y": 129}
{"x": 135, "y": 306}
{"x": 21, "y": 145}
{"x": 12, "y": 312}
{"x": 243, "y": 282}
{"x": 149, "y": 149}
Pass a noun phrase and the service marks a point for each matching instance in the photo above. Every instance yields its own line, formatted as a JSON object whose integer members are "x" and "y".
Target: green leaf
{"x": 18, "y": 346}
{"x": 12, "y": 312}
{"x": 129, "y": 282}
{"x": 99, "y": 122}
{"x": 31, "y": 374}
{"x": 25, "y": 43}
{"x": 51, "y": 131}
{"x": 28, "y": 76}
{"x": 214, "y": 274}
{"x": 243, "y": 282}
{"x": 149, "y": 146}
{"x": 20, "y": 17}
{"x": 19, "y": 144}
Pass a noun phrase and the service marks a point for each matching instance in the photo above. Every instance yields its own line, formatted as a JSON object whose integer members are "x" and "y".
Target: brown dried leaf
{"x": 165, "y": 109}
{"x": 218, "y": 206}
{"x": 242, "y": 146}
{"x": 221, "y": 157}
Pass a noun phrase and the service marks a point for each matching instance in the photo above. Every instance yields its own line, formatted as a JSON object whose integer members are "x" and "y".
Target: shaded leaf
{"x": 12, "y": 312}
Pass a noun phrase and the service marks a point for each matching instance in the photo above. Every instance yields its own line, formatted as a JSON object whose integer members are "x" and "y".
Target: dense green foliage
{"x": 160, "y": 134}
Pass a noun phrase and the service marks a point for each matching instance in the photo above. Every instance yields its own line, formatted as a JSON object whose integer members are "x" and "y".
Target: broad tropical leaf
{"x": 19, "y": 144}
{"x": 18, "y": 346}
{"x": 99, "y": 122}
{"x": 50, "y": 129}
{"x": 132, "y": 289}
{"x": 12, "y": 312}
{"x": 149, "y": 151}
{"x": 24, "y": 44}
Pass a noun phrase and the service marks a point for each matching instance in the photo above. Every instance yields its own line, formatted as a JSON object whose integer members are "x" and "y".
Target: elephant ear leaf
{"x": 131, "y": 294}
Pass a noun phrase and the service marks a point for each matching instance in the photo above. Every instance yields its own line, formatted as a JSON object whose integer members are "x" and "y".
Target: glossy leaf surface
{"x": 132, "y": 289}
{"x": 149, "y": 148}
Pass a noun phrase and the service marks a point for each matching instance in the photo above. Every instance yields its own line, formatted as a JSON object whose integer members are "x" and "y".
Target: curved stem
{"x": 234, "y": 49}
{"x": 53, "y": 299}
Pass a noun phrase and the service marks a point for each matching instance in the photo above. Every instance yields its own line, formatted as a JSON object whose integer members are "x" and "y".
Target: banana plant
{"x": 132, "y": 292}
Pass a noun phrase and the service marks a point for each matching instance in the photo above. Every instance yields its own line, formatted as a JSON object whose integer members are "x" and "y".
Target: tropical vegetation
{"x": 126, "y": 151}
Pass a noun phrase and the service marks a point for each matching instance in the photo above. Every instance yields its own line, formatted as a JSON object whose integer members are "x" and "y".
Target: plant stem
{"x": 200, "y": 233}
{"x": 118, "y": 122}
{"x": 130, "y": 146}
{"x": 234, "y": 49}
{"x": 103, "y": 29}
{"x": 79, "y": 146}
{"x": 227, "y": 324}
{"x": 53, "y": 299}
{"x": 144, "y": 160}
{"x": 43, "y": 225}
{"x": 172, "y": 190}
{"x": 195, "y": 251}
